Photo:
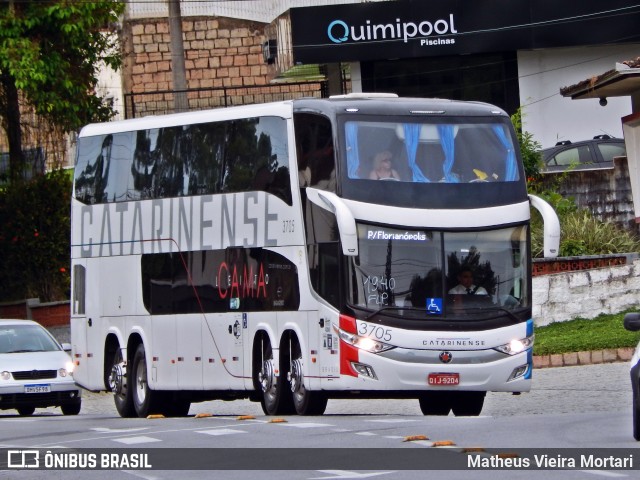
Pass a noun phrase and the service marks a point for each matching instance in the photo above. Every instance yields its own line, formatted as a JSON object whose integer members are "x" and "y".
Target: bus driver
{"x": 466, "y": 285}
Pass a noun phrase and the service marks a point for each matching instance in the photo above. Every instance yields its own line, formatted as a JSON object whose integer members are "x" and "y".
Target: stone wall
{"x": 586, "y": 294}
{"x": 606, "y": 193}
{"x": 219, "y": 53}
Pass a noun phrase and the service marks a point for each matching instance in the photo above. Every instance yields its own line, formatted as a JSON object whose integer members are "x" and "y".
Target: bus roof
{"x": 389, "y": 105}
{"x": 360, "y": 103}
{"x": 279, "y": 109}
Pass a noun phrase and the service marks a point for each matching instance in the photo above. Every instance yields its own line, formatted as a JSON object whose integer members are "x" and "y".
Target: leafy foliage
{"x": 580, "y": 232}
{"x": 34, "y": 238}
{"x": 604, "y": 331}
{"x": 53, "y": 50}
{"x": 529, "y": 148}
{"x": 50, "y": 56}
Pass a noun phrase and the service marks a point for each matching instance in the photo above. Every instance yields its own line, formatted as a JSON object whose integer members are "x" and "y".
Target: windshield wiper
{"x": 507, "y": 311}
{"x": 480, "y": 310}
{"x": 386, "y": 307}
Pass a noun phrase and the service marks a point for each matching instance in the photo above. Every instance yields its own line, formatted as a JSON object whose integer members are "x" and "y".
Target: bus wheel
{"x": 276, "y": 400}
{"x": 117, "y": 382}
{"x": 144, "y": 399}
{"x": 467, "y": 404}
{"x": 435, "y": 403}
{"x": 305, "y": 401}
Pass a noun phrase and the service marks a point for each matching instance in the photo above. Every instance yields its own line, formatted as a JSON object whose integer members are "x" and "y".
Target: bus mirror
{"x": 551, "y": 226}
{"x": 344, "y": 217}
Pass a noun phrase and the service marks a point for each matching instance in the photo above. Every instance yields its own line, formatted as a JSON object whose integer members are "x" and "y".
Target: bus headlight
{"x": 363, "y": 343}
{"x": 516, "y": 346}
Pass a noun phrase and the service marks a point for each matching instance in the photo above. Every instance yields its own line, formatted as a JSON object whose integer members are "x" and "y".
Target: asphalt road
{"x": 588, "y": 388}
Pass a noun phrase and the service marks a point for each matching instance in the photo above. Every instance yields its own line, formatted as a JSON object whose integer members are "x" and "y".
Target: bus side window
{"x": 314, "y": 146}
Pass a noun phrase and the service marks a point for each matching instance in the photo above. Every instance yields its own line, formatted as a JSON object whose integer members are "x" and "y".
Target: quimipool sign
{"x": 339, "y": 31}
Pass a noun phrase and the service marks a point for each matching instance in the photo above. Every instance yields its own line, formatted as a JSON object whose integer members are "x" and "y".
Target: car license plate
{"x": 443, "y": 379}
{"x": 37, "y": 388}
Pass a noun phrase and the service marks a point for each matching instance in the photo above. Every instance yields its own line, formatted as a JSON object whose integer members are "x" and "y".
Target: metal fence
{"x": 161, "y": 102}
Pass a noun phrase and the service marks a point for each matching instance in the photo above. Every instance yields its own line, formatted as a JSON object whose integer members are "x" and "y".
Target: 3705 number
{"x": 288, "y": 226}
{"x": 374, "y": 331}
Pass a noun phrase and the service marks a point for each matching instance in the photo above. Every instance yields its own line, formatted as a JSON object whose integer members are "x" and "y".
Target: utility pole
{"x": 178, "y": 69}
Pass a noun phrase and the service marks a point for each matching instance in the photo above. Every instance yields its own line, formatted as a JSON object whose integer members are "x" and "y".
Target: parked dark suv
{"x": 585, "y": 155}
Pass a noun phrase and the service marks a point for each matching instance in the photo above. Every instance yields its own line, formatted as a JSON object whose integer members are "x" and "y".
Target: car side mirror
{"x": 66, "y": 347}
{"x": 632, "y": 322}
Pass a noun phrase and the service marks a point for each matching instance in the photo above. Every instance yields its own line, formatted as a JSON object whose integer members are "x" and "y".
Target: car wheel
{"x": 26, "y": 411}
{"x": 71, "y": 408}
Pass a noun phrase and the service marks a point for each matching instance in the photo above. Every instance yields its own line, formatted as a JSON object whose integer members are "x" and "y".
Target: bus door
{"x": 86, "y": 324}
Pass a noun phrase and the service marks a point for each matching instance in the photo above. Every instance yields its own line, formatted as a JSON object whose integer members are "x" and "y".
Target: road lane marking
{"x": 346, "y": 474}
{"x": 392, "y": 420}
{"x": 221, "y": 431}
{"x": 117, "y": 430}
{"x": 306, "y": 425}
{"x": 136, "y": 440}
{"x": 605, "y": 473}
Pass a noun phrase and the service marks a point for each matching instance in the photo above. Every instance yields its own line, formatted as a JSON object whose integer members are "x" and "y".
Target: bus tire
{"x": 143, "y": 398}
{"x": 118, "y": 383}
{"x": 467, "y": 404}
{"x": 306, "y": 402}
{"x": 435, "y": 403}
{"x": 276, "y": 398}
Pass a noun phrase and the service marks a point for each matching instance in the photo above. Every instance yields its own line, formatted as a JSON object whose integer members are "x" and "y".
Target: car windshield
{"x": 25, "y": 338}
{"x": 420, "y": 273}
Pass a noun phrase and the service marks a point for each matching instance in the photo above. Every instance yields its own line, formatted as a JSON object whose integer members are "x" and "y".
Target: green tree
{"x": 50, "y": 56}
{"x": 529, "y": 148}
{"x": 34, "y": 238}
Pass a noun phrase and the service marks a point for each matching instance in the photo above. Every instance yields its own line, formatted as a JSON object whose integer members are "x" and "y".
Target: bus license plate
{"x": 37, "y": 388}
{"x": 443, "y": 379}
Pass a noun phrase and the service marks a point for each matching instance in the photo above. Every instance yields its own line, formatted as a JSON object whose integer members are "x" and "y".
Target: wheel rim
{"x": 116, "y": 378}
{"x": 266, "y": 377}
{"x": 296, "y": 379}
{"x": 141, "y": 382}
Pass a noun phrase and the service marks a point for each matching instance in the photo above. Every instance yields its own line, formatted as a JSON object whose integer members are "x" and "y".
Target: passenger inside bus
{"x": 383, "y": 167}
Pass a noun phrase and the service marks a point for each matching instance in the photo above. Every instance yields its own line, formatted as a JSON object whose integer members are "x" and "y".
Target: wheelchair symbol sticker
{"x": 434, "y": 306}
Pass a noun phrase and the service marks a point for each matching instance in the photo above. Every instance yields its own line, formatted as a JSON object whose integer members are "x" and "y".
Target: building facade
{"x": 508, "y": 52}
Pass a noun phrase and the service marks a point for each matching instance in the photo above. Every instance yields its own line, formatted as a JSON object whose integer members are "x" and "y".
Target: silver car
{"x": 35, "y": 370}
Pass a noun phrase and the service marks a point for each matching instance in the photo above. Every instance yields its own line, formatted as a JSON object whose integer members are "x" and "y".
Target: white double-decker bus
{"x": 289, "y": 253}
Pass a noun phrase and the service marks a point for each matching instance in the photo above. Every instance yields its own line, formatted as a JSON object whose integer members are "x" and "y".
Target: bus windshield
{"x": 444, "y": 150}
{"x": 439, "y": 273}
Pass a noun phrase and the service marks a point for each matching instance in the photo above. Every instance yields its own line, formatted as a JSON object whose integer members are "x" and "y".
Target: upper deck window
{"x": 449, "y": 151}
{"x": 200, "y": 159}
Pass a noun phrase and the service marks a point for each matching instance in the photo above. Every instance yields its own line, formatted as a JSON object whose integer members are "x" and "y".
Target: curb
{"x": 573, "y": 359}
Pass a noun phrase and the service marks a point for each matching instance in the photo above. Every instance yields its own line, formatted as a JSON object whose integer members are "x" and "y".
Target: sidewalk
{"x": 583, "y": 358}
